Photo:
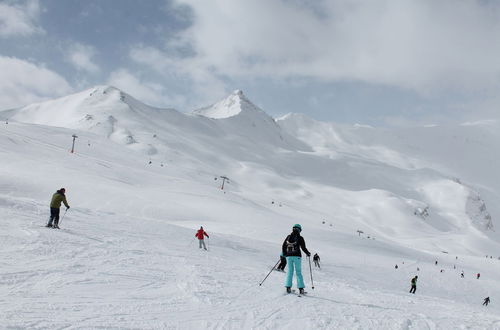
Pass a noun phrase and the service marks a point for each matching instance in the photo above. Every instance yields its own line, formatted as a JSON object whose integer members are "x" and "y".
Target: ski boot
{"x": 288, "y": 290}
{"x": 301, "y": 291}
{"x": 49, "y": 225}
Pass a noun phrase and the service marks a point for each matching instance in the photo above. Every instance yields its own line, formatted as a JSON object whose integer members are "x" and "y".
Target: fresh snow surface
{"x": 142, "y": 181}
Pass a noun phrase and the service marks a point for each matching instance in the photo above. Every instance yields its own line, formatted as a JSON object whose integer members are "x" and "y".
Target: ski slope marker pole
{"x": 270, "y": 272}
{"x": 310, "y": 272}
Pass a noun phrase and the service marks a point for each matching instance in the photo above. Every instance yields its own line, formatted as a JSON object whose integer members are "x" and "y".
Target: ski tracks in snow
{"x": 105, "y": 271}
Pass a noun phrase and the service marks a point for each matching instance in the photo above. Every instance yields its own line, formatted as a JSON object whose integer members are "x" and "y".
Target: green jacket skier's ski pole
{"x": 63, "y": 215}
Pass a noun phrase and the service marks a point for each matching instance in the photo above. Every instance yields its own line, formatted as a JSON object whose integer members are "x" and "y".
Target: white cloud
{"x": 19, "y": 19}
{"x": 23, "y": 82}
{"x": 206, "y": 85}
{"x": 148, "y": 92}
{"x": 81, "y": 57}
{"x": 422, "y": 45}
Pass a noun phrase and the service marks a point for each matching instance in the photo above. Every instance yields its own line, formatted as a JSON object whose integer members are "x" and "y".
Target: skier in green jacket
{"x": 55, "y": 207}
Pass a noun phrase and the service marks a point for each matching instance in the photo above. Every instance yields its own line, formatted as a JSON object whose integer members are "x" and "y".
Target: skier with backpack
{"x": 291, "y": 250}
{"x": 200, "y": 234}
{"x": 486, "y": 301}
{"x": 55, "y": 207}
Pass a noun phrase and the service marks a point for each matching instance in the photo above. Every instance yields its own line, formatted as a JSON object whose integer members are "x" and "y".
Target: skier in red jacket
{"x": 200, "y": 234}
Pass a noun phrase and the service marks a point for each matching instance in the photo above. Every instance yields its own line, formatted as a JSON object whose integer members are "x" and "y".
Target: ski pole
{"x": 310, "y": 271}
{"x": 208, "y": 243}
{"x": 270, "y": 272}
{"x": 63, "y": 215}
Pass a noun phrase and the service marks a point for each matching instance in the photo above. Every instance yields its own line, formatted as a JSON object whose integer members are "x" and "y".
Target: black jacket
{"x": 295, "y": 237}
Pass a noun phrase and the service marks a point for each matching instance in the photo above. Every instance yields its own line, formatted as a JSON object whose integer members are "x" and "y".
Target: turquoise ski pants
{"x": 294, "y": 262}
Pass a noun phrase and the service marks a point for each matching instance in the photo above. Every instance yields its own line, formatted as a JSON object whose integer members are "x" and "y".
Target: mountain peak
{"x": 234, "y": 104}
{"x": 238, "y": 92}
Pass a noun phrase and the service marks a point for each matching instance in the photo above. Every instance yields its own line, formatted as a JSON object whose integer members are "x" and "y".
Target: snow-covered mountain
{"x": 317, "y": 163}
{"x": 143, "y": 179}
{"x": 464, "y": 154}
{"x": 235, "y": 104}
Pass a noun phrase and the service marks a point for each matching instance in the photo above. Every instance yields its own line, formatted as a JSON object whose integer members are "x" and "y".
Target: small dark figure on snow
{"x": 436, "y": 263}
{"x": 200, "y": 234}
{"x": 462, "y": 274}
{"x": 486, "y": 301}
{"x": 282, "y": 265}
{"x": 291, "y": 250}
{"x": 414, "y": 284}
{"x": 478, "y": 275}
{"x": 396, "y": 267}
{"x": 55, "y": 207}
{"x": 316, "y": 260}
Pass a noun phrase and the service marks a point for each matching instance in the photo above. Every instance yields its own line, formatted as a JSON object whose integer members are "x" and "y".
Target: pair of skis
{"x": 297, "y": 294}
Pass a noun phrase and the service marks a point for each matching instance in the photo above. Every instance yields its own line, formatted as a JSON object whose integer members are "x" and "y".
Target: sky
{"x": 382, "y": 63}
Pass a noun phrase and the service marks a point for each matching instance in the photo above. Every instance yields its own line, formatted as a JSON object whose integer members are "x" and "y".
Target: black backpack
{"x": 292, "y": 244}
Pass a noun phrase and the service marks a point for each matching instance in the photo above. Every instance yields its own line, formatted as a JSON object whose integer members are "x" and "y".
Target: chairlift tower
{"x": 224, "y": 178}
{"x": 73, "y": 146}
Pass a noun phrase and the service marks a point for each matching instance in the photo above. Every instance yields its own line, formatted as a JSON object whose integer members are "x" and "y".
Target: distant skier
{"x": 436, "y": 263}
{"x": 478, "y": 275}
{"x": 55, "y": 207}
{"x": 462, "y": 274}
{"x": 282, "y": 265}
{"x": 396, "y": 267}
{"x": 414, "y": 284}
{"x": 486, "y": 301}
{"x": 291, "y": 250}
{"x": 200, "y": 234}
{"x": 316, "y": 260}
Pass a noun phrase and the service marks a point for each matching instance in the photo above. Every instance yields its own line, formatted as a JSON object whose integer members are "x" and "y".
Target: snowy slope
{"x": 327, "y": 172}
{"x": 464, "y": 154}
{"x": 126, "y": 256}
